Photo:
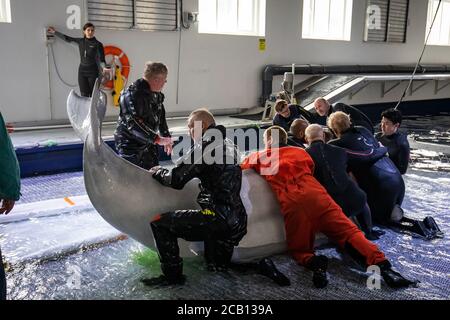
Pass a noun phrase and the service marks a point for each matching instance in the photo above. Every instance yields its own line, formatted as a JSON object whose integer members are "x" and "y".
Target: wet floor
{"x": 113, "y": 270}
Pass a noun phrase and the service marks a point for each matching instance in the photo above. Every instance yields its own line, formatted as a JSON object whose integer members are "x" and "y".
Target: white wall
{"x": 215, "y": 70}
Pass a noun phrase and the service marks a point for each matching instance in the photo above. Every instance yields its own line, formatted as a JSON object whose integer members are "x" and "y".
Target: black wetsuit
{"x": 296, "y": 142}
{"x": 297, "y": 112}
{"x": 331, "y": 171}
{"x": 92, "y": 61}
{"x": 380, "y": 179}
{"x": 356, "y": 116}
{"x": 222, "y": 221}
{"x": 142, "y": 114}
{"x": 398, "y": 149}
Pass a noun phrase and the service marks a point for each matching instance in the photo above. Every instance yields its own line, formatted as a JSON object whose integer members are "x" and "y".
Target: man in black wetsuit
{"x": 287, "y": 113}
{"x": 395, "y": 141}
{"x": 92, "y": 57}
{"x": 142, "y": 116}
{"x": 330, "y": 170}
{"x": 324, "y": 109}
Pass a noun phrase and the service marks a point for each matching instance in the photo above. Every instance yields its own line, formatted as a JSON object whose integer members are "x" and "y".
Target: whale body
{"x": 128, "y": 197}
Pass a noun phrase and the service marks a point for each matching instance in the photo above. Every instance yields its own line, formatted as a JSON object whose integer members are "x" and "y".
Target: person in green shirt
{"x": 9, "y": 186}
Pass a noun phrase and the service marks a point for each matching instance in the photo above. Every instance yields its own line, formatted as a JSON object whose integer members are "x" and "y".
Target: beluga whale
{"x": 128, "y": 198}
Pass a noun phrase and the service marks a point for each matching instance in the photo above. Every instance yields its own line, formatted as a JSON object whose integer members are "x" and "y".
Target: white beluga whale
{"x": 128, "y": 197}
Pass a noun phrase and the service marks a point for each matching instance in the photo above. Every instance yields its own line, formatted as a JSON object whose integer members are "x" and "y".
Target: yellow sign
{"x": 262, "y": 44}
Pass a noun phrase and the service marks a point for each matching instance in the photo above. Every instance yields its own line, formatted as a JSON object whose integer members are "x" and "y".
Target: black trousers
{"x": 86, "y": 80}
{"x": 145, "y": 158}
{"x": 2, "y": 279}
{"x": 192, "y": 225}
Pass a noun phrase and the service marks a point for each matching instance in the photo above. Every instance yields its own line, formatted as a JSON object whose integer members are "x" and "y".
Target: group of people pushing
{"x": 334, "y": 188}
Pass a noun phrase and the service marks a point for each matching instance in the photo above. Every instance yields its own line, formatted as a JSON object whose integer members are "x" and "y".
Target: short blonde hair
{"x": 204, "y": 115}
{"x": 339, "y": 122}
{"x": 153, "y": 69}
{"x": 280, "y": 105}
{"x": 282, "y": 134}
{"x": 298, "y": 127}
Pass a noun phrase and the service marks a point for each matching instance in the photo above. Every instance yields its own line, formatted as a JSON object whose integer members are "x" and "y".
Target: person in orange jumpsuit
{"x": 308, "y": 209}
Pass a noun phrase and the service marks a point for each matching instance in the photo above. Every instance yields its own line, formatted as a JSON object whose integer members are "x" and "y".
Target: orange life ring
{"x": 125, "y": 68}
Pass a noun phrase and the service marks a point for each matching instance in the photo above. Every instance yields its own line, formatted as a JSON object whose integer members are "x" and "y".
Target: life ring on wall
{"x": 119, "y": 55}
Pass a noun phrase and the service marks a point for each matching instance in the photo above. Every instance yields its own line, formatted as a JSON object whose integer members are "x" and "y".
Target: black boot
{"x": 172, "y": 275}
{"x": 392, "y": 278}
{"x": 431, "y": 224}
{"x": 319, "y": 265}
{"x": 267, "y": 268}
{"x": 163, "y": 281}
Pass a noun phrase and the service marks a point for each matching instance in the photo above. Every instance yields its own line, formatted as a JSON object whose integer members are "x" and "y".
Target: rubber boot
{"x": 267, "y": 268}
{"x": 172, "y": 275}
{"x": 392, "y": 278}
{"x": 319, "y": 265}
{"x": 431, "y": 224}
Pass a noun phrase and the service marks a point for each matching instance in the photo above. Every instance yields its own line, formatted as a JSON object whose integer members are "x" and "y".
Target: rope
{"x": 420, "y": 58}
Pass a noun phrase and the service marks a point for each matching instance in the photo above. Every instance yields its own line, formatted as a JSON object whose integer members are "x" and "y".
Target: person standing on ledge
{"x": 92, "y": 57}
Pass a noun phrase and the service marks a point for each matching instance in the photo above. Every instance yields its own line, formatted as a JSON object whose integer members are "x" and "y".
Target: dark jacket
{"x": 398, "y": 149}
{"x": 331, "y": 171}
{"x": 295, "y": 142}
{"x": 377, "y": 175}
{"x": 92, "y": 55}
{"x": 297, "y": 112}
{"x": 220, "y": 181}
{"x": 142, "y": 115}
{"x": 363, "y": 150}
{"x": 356, "y": 116}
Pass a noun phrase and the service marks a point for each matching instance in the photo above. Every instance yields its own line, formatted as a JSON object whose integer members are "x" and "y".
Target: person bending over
{"x": 308, "y": 209}
{"x": 297, "y": 133}
{"x": 380, "y": 179}
{"x": 142, "y": 124}
{"x": 287, "y": 113}
{"x": 330, "y": 169}
{"x": 222, "y": 221}
{"x": 324, "y": 109}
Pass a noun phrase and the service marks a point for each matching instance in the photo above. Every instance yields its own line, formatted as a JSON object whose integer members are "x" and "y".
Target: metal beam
{"x": 412, "y": 90}
{"x": 437, "y": 88}
{"x": 357, "y": 84}
{"x": 383, "y": 87}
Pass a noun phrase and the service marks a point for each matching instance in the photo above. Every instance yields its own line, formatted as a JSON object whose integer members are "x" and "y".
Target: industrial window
{"x": 327, "y": 19}
{"x": 236, "y": 17}
{"x": 386, "y": 20}
{"x": 160, "y": 15}
{"x": 5, "y": 11}
{"x": 440, "y": 34}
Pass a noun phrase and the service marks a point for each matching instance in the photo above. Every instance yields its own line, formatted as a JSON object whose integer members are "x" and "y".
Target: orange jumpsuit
{"x": 306, "y": 206}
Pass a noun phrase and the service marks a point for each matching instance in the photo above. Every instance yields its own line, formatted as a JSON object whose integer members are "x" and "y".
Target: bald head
{"x": 313, "y": 133}
{"x": 322, "y": 106}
